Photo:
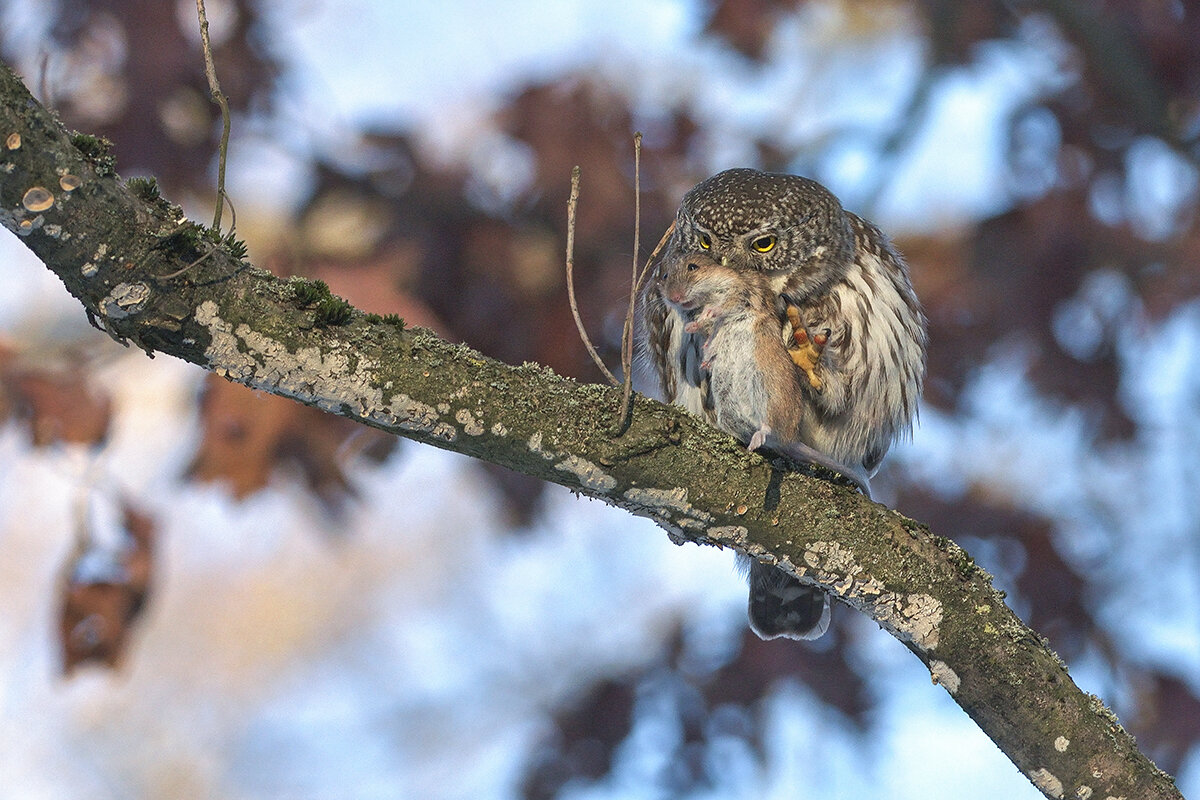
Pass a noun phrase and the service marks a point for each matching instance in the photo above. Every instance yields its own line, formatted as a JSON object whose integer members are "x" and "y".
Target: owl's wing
{"x": 658, "y": 336}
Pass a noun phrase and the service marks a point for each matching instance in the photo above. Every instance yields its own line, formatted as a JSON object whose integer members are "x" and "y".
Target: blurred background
{"x": 210, "y": 593}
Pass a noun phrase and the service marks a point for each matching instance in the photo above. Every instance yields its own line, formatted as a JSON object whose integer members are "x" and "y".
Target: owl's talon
{"x": 806, "y": 360}
{"x": 799, "y": 333}
{"x": 807, "y": 352}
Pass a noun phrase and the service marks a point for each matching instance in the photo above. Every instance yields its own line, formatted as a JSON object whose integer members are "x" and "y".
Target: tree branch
{"x": 290, "y": 337}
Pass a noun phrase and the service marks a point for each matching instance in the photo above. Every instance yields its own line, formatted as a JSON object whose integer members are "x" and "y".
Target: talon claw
{"x": 799, "y": 334}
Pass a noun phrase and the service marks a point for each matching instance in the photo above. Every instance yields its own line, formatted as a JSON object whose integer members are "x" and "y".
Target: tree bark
{"x": 119, "y": 250}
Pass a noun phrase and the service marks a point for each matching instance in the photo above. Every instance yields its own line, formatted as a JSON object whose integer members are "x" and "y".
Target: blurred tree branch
{"x": 1119, "y": 64}
{"x": 111, "y": 244}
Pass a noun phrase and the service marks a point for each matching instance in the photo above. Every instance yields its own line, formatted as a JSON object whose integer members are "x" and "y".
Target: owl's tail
{"x": 780, "y": 605}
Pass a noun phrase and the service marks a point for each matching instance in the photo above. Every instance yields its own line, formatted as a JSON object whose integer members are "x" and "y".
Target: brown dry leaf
{"x": 57, "y": 403}
{"x": 1026, "y": 264}
{"x": 745, "y": 24}
{"x": 104, "y": 593}
{"x": 588, "y": 730}
{"x": 587, "y": 733}
{"x": 1167, "y": 717}
{"x": 761, "y": 665}
{"x": 578, "y": 121}
{"x": 248, "y": 435}
{"x": 374, "y": 285}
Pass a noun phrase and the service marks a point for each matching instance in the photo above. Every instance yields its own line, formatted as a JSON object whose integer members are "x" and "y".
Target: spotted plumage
{"x": 794, "y": 245}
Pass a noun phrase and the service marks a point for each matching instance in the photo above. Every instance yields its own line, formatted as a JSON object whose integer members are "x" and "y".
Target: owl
{"x": 833, "y": 283}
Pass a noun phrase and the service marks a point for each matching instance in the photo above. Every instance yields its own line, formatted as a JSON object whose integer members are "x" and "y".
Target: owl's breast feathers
{"x": 875, "y": 359}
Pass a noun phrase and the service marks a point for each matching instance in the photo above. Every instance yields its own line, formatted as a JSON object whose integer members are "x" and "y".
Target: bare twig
{"x": 207, "y": 253}
{"x": 627, "y": 331}
{"x": 44, "y": 79}
{"x": 214, "y": 86}
{"x": 637, "y": 278}
{"x": 572, "y": 202}
{"x": 641, "y": 278}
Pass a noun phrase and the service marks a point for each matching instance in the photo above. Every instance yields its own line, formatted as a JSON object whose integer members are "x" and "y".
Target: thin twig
{"x": 641, "y": 279}
{"x": 627, "y": 331}
{"x": 232, "y": 210}
{"x": 572, "y": 202}
{"x": 214, "y": 86}
{"x": 44, "y": 79}
{"x": 898, "y": 140}
{"x": 212, "y": 248}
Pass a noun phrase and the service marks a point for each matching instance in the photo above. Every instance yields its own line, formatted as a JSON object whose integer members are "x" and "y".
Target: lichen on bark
{"x": 144, "y": 275}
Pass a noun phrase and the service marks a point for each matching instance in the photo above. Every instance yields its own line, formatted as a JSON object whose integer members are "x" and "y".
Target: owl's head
{"x": 766, "y": 222}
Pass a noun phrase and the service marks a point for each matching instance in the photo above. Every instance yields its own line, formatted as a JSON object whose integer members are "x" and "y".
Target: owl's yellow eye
{"x": 764, "y": 244}
{"x": 705, "y": 241}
